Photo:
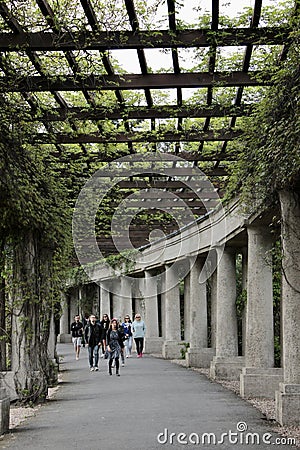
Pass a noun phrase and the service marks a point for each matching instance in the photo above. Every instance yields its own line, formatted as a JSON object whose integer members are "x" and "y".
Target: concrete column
{"x": 226, "y": 364}
{"x": 51, "y": 340}
{"x": 226, "y": 337}
{"x": 288, "y": 395}
{"x": 171, "y": 346}
{"x": 259, "y": 378}
{"x": 198, "y": 355}
{"x": 259, "y": 321}
{"x": 187, "y": 319}
{"x": 153, "y": 343}
{"x": 64, "y": 335}
{"x": 122, "y": 298}
{"x": 163, "y": 305}
{"x": 244, "y": 288}
{"x": 75, "y": 298}
{"x": 104, "y": 299}
{"x": 53, "y": 367}
{"x": 213, "y": 308}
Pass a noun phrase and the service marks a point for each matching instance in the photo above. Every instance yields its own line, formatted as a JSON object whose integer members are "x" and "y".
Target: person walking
{"x": 114, "y": 341}
{"x": 105, "y": 322}
{"x": 126, "y": 325}
{"x": 77, "y": 332}
{"x": 138, "y": 330}
{"x": 93, "y": 334}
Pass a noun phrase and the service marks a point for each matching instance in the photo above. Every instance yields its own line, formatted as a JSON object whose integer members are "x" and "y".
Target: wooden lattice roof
{"x": 63, "y": 66}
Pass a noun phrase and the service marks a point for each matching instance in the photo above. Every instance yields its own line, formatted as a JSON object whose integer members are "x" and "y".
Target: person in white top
{"x": 138, "y": 330}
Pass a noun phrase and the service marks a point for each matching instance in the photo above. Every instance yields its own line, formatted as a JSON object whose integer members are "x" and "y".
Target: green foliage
{"x": 270, "y": 157}
{"x": 184, "y": 348}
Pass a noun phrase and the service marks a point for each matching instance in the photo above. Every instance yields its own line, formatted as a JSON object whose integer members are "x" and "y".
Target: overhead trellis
{"x": 62, "y": 61}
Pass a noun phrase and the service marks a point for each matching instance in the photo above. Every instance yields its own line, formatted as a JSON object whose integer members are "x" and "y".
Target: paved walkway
{"x": 152, "y": 399}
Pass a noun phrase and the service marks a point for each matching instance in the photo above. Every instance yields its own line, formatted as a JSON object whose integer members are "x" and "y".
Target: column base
{"x": 64, "y": 338}
{"x": 199, "y": 357}
{"x": 227, "y": 368}
{"x": 288, "y": 404}
{"x": 260, "y": 382}
{"x": 4, "y": 411}
{"x": 171, "y": 350}
{"x": 154, "y": 345}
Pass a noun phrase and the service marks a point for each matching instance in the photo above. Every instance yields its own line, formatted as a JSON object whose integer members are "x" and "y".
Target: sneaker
{"x": 127, "y": 356}
{"x": 77, "y": 358}
{"x": 122, "y": 364}
{"x": 92, "y": 369}
{"x": 96, "y": 369}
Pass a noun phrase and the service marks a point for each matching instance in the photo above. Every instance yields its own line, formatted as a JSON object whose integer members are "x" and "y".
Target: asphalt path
{"x": 154, "y": 404}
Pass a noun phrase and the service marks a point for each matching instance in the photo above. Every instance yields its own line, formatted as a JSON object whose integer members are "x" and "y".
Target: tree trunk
{"x": 30, "y": 320}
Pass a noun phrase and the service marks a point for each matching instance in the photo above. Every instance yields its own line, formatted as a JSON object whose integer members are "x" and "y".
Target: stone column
{"x": 163, "y": 305}
{"x": 187, "y": 319}
{"x": 171, "y": 346}
{"x": 244, "y": 253}
{"x": 259, "y": 378}
{"x": 75, "y": 299}
{"x": 53, "y": 368}
{"x": 104, "y": 299}
{"x": 64, "y": 335}
{"x": 213, "y": 309}
{"x": 122, "y": 297}
{"x": 198, "y": 355}
{"x": 288, "y": 395}
{"x": 226, "y": 364}
{"x": 153, "y": 343}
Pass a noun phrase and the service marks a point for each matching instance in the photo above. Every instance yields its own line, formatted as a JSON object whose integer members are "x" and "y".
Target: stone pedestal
{"x": 171, "y": 350}
{"x": 154, "y": 345}
{"x": 199, "y": 357}
{"x": 4, "y": 411}
{"x": 288, "y": 404}
{"x": 64, "y": 338}
{"x": 227, "y": 368}
{"x": 259, "y": 382}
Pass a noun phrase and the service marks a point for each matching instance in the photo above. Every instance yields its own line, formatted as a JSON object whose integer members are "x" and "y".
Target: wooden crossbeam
{"x": 175, "y": 136}
{"x": 109, "y": 40}
{"x": 133, "y": 81}
{"x": 140, "y": 112}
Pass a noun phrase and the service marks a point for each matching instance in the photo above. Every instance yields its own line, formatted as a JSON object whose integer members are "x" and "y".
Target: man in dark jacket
{"x": 93, "y": 335}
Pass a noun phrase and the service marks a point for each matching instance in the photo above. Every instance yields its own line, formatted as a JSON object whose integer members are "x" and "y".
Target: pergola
{"x": 62, "y": 67}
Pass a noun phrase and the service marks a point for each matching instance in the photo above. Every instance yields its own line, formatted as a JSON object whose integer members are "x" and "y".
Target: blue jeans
{"x": 128, "y": 346}
{"x": 94, "y": 355}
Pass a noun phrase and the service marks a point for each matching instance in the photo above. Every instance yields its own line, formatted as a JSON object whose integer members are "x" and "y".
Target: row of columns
{"x": 255, "y": 368}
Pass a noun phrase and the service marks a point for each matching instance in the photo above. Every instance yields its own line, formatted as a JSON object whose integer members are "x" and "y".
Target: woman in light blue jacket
{"x": 139, "y": 329}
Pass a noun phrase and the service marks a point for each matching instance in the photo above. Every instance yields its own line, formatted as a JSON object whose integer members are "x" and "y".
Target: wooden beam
{"x": 109, "y": 40}
{"x": 175, "y": 136}
{"x": 134, "y": 81}
{"x": 140, "y": 112}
